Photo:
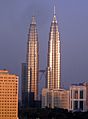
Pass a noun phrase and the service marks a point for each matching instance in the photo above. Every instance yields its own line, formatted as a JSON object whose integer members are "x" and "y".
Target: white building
{"x": 55, "y": 98}
{"x": 78, "y": 97}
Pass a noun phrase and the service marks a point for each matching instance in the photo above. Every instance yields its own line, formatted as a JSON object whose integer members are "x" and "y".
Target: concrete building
{"x": 55, "y": 98}
{"x": 32, "y": 60}
{"x": 8, "y": 95}
{"x": 54, "y": 62}
{"x": 78, "y": 97}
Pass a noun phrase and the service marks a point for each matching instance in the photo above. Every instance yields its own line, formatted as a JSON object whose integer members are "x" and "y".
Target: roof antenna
{"x": 54, "y": 11}
{"x": 33, "y": 20}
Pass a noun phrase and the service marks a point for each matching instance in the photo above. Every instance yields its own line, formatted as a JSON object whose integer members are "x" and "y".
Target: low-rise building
{"x": 78, "y": 97}
{"x": 55, "y": 98}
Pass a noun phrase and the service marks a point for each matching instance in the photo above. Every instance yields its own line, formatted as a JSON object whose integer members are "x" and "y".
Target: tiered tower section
{"x": 32, "y": 59}
{"x": 53, "y": 70}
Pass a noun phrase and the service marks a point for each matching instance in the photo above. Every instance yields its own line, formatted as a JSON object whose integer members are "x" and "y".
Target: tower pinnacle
{"x": 33, "y": 20}
{"x": 54, "y": 17}
{"x": 54, "y": 11}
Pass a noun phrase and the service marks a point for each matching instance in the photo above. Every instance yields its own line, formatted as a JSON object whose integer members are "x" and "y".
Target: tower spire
{"x": 33, "y": 20}
{"x": 54, "y": 11}
{"x": 54, "y": 17}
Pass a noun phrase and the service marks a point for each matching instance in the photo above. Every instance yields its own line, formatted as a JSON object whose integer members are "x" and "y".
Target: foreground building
{"x": 79, "y": 97}
{"x": 74, "y": 99}
{"x": 32, "y": 60}
{"x": 53, "y": 68}
{"x": 55, "y": 98}
{"x": 8, "y": 95}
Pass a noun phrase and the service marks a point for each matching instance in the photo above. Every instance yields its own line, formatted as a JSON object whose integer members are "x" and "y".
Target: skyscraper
{"x": 32, "y": 60}
{"x": 53, "y": 69}
{"x": 24, "y": 84}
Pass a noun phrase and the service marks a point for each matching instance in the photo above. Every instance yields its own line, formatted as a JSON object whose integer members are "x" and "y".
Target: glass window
{"x": 76, "y": 94}
{"x": 81, "y": 94}
{"x": 81, "y": 105}
{"x": 71, "y": 104}
{"x": 75, "y": 105}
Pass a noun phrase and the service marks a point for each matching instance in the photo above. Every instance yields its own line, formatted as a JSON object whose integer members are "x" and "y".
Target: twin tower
{"x": 53, "y": 63}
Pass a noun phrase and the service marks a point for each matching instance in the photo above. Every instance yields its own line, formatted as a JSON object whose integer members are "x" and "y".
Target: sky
{"x": 72, "y": 17}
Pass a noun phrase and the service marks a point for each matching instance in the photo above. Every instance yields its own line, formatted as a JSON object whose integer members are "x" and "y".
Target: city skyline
{"x": 72, "y": 18}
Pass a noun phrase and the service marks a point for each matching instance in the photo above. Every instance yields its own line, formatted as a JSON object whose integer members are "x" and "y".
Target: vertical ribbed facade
{"x": 32, "y": 59}
{"x": 53, "y": 69}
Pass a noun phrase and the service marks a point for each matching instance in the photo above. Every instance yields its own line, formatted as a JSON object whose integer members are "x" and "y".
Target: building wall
{"x": 78, "y": 97}
{"x": 55, "y": 98}
{"x": 8, "y": 95}
{"x": 74, "y": 99}
{"x": 86, "y": 84}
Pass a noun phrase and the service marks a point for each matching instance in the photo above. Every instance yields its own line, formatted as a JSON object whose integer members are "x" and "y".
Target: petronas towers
{"x": 53, "y": 58}
{"x": 33, "y": 60}
{"x": 53, "y": 68}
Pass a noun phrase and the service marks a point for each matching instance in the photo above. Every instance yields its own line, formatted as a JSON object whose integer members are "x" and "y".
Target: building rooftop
{"x": 4, "y": 71}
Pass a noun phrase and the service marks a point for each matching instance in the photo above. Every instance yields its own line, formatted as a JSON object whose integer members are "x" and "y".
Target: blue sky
{"x": 72, "y": 17}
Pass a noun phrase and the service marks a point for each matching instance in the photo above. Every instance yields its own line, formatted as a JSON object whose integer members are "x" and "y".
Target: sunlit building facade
{"x": 55, "y": 98}
{"x": 8, "y": 95}
{"x": 53, "y": 68}
{"x": 78, "y": 97}
{"x": 32, "y": 60}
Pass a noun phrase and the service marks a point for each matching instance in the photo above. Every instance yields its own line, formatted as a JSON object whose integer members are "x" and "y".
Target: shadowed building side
{"x": 24, "y": 84}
